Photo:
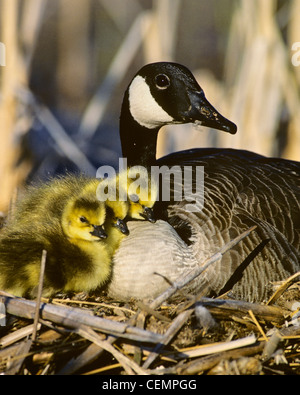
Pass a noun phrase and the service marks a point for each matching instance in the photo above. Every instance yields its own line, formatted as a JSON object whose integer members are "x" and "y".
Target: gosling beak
{"x": 203, "y": 113}
{"x": 98, "y": 232}
{"x": 148, "y": 214}
{"x": 122, "y": 226}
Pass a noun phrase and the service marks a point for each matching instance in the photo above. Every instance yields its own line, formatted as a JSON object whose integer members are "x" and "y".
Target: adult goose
{"x": 241, "y": 189}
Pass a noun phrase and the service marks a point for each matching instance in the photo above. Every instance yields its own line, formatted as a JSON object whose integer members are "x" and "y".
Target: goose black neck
{"x": 138, "y": 142}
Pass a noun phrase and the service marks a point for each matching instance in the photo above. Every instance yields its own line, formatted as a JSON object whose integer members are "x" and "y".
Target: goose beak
{"x": 148, "y": 215}
{"x": 122, "y": 226}
{"x": 98, "y": 232}
{"x": 203, "y": 113}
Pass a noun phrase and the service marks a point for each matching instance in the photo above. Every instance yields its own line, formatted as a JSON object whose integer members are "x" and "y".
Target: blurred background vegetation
{"x": 68, "y": 63}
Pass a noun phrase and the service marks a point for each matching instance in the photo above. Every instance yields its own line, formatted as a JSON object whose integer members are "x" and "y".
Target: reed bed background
{"x": 69, "y": 61}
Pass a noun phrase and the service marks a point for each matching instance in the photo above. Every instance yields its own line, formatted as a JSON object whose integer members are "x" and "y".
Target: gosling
{"x": 79, "y": 233}
{"x": 133, "y": 187}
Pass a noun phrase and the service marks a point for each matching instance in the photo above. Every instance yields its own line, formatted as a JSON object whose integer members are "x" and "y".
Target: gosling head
{"x": 142, "y": 193}
{"x": 84, "y": 219}
{"x": 141, "y": 209}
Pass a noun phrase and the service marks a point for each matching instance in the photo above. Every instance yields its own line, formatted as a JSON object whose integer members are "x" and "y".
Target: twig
{"x": 224, "y": 308}
{"x": 129, "y": 365}
{"x": 177, "y": 324}
{"x": 73, "y": 317}
{"x": 102, "y": 370}
{"x": 147, "y": 309}
{"x": 21, "y": 352}
{"x": 271, "y": 345}
{"x": 284, "y": 286}
{"x": 205, "y": 363}
{"x": 17, "y": 335}
{"x": 89, "y": 355}
{"x": 290, "y": 332}
{"x": 215, "y": 348}
{"x": 39, "y": 295}
{"x": 2, "y": 314}
{"x": 60, "y": 302}
{"x": 258, "y": 325}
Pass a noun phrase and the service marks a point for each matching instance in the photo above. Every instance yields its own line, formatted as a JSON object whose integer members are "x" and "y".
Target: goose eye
{"x": 162, "y": 81}
{"x": 83, "y": 220}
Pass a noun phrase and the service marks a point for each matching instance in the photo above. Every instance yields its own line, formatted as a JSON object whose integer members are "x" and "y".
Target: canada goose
{"x": 241, "y": 189}
{"x": 79, "y": 233}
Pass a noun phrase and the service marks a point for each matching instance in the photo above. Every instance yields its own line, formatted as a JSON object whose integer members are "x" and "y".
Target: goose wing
{"x": 242, "y": 189}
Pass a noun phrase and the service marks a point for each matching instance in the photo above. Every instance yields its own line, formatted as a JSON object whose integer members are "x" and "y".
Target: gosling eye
{"x": 162, "y": 81}
{"x": 83, "y": 220}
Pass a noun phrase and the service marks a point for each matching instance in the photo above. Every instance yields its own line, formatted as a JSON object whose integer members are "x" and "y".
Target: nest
{"x": 93, "y": 334}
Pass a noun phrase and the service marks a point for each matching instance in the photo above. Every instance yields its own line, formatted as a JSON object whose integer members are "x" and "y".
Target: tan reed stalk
{"x": 9, "y": 177}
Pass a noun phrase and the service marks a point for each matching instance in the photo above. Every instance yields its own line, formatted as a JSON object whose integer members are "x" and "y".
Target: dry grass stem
{"x": 258, "y": 325}
{"x": 283, "y": 287}
{"x": 39, "y": 295}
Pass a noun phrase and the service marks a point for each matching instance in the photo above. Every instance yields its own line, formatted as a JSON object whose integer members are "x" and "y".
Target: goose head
{"x": 161, "y": 94}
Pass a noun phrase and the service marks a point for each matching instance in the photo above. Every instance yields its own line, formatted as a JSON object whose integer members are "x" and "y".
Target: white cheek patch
{"x": 143, "y": 107}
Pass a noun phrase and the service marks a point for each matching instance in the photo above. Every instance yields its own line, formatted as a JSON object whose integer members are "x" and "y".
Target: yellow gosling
{"x": 65, "y": 218}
